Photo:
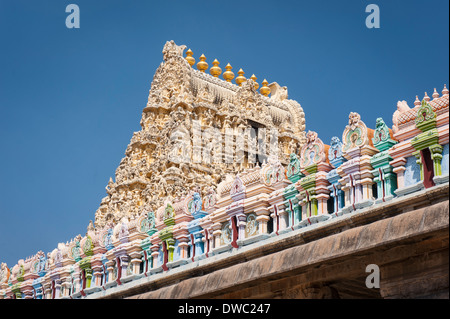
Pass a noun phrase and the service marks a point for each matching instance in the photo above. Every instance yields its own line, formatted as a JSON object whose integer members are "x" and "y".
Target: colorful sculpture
{"x": 336, "y": 160}
{"x": 356, "y": 172}
{"x": 161, "y": 214}
{"x": 383, "y": 173}
{"x": 314, "y": 192}
{"x": 423, "y": 138}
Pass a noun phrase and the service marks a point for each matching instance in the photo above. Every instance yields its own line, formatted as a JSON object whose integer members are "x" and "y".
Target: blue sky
{"x": 70, "y": 99}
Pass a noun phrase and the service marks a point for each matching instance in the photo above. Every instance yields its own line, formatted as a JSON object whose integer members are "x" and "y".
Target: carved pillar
{"x": 292, "y": 206}
{"x": 38, "y": 289}
{"x": 183, "y": 244}
{"x": 85, "y": 266}
{"x": 136, "y": 259}
{"x": 208, "y": 240}
{"x": 124, "y": 260}
{"x": 241, "y": 222}
{"x": 97, "y": 274}
{"x": 27, "y": 290}
{"x": 217, "y": 232}
{"x": 436, "y": 156}
{"x": 110, "y": 268}
{"x": 154, "y": 255}
{"x": 283, "y": 217}
{"x": 16, "y": 291}
{"x": 46, "y": 288}
{"x": 275, "y": 219}
{"x": 65, "y": 287}
{"x": 262, "y": 218}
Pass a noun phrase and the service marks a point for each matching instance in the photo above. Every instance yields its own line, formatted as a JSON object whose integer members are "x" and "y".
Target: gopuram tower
{"x": 189, "y": 119}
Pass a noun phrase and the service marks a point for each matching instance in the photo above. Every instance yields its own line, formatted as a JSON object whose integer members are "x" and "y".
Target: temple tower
{"x": 196, "y": 129}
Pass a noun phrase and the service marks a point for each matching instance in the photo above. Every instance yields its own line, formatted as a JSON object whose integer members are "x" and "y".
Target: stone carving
{"x": 210, "y": 199}
{"x": 402, "y": 106}
{"x": 251, "y": 225}
{"x": 226, "y": 234}
{"x": 40, "y": 263}
{"x": 166, "y": 158}
{"x": 355, "y": 133}
{"x": 76, "y": 249}
{"x": 313, "y": 152}
{"x": 237, "y": 187}
{"x": 425, "y": 113}
{"x": 272, "y": 172}
{"x": 169, "y": 212}
{"x": 353, "y": 120}
{"x": 4, "y": 273}
{"x": 381, "y": 132}
{"x": 335, "y": 150}
{"x": 196, "y": 205}
{"x": 293, "y": 168}
{"x": 278, "y": 92}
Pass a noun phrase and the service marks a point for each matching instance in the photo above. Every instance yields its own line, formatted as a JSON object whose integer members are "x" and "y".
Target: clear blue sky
{"x": 70, "y": 99}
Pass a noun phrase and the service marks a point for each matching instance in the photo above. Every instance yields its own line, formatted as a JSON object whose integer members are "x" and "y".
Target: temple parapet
{"x": 356, "y": 172}
{"x": 313, "y": 187}
{"x": 420, "y": 159}
{"x": 161, "y": 215}
{"x": 336, "y": 159}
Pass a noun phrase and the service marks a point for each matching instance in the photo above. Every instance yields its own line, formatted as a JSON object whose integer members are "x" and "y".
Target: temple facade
{"x": 221, "y": 166}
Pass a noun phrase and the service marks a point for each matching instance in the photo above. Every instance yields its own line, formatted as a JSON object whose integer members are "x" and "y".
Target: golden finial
{"x": 215, "y": 69}
{"x": 228, "y": 75}
{"x": 202, "y": 65}
{"x": 265, "y": 90}
{"x": 254, "y": 78}
{"x": 241, "y": 78}
{"x": 189, "y": 57}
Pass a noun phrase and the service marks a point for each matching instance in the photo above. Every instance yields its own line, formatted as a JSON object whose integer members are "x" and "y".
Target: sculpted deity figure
{"x": 123, "y": 230}
{"x": 42, "y": 263}
{"x": 109, "y": 188}
{"x": 211, "y": 198}
{"x": 171, "y": 50}
{"x": 196, "y": 203}
{"x": 381, "y": 131}
{"x": 148, "y": 223}
{"x": 311, "y": 137}
{"x": 4, "y": 273}
{"x": 108, "y": 239}
{"x": 292, "y": 146}
{"x": 402, "y": 106}
{"x": 353, "y": 120}
{"x": 58, "y": 258}
{"x": 76, "y": 251}
{"x": 179, "y": 115}
{"x": 21, "y": 272}
{"x": 277, "y": 92}
{"x": 335, "y": 149}
{"x": 151, "y": 219}
{"x": 168, "y": 212}
{"x": 180, "y": 96}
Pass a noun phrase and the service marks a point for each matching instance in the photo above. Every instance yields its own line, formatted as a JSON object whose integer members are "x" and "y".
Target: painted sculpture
{"x": 161, "y": 213}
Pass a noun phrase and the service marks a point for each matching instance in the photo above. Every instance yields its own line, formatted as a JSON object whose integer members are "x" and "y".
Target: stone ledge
{"x": 350, "y": 242}
{"x": 288, "y": 240}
